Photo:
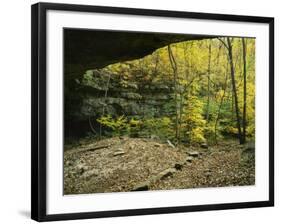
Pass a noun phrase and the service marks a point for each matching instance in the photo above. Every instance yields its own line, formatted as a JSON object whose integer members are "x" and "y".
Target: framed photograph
{"x": 138, "y": 111}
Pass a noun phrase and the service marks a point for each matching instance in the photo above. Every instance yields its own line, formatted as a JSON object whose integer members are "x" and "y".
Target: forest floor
{"x": 127, "y": 164}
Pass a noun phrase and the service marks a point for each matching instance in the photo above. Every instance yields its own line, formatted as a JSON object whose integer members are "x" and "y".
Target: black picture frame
{"x": 38, "y": 157}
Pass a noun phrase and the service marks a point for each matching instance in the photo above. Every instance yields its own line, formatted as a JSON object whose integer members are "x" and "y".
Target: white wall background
{"x": 15, "y": 110}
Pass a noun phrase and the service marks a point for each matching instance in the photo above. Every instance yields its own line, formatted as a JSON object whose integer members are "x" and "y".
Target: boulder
{"x": 81, "y": 168}
{"x": 189, "y": 159}
{"x": 119, "y": 152}
{"x": 166, "y": 173}
{"x": 90, "y": 173}
{"x": 204, "y": 145}
{"x": 178, "y": 166}
{"x": 144, "y": 186}
{"x": 157, "y": 144}
{"x": 193, "y": 153}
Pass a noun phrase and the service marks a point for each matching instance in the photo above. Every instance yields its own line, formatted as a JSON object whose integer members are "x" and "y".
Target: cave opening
{"x": 87, "y": 54}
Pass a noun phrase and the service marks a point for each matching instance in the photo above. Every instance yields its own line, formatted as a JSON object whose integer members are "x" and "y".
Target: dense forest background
{"x": 200, "y": 91}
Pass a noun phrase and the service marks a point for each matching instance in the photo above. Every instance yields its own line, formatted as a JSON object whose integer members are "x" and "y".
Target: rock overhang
{"x": 93, "y": 49}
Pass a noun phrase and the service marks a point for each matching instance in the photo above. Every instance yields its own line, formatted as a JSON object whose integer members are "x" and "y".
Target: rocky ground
{"x": 131, "y": 164}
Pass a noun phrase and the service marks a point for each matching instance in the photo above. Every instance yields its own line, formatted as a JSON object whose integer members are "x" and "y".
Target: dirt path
{"x": 122, "y": 164}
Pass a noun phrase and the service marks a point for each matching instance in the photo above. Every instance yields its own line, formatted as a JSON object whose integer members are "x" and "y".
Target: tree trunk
{"x": 245, "y": 89}
{"x": 209, "y": 73}
{"x": 180, "y": 116}
{"x": 230, "y": 57}
{"x": 175, "y": 72}
{"x": 219, "y": 110}
{"x": 105, "y": 97}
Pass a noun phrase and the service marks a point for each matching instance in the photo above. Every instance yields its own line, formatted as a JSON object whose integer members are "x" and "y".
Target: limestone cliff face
{"x": 105, "y": 93}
